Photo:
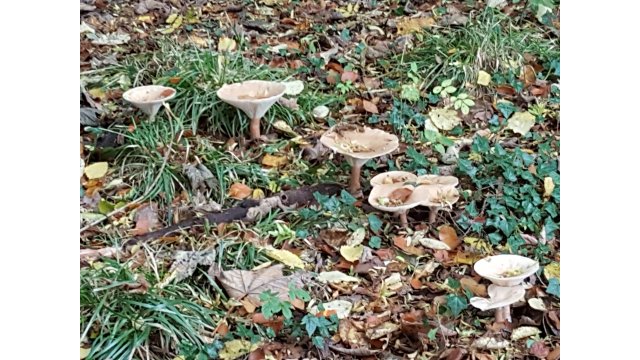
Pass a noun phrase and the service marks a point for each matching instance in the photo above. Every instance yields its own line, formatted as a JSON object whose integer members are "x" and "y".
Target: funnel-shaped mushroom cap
{"x": 440, "y": 196}
{"x": 392, "y": 177}
{"x": 379, "y": 197}
{"x": 359, "y": 143}
{"x": 254, "y": 97}
{"x": 506, "y": 269}
{"x": 149, "y": 98}
{"x": 438, "y": 180}
{"x": 499, "y": 296}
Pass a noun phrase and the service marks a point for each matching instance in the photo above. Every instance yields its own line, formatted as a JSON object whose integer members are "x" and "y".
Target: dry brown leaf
{"x": 448, "y": 236}
{"x": 239, "y": 191}
{"x": 276, "y": 323}
{"x": 453, "y": 354}
{"x": 369, "y": 107}
{"x": 349, "y": 76}
{"x": 554, "y": 354}
{"x": 274, "y": 161}
{"x": 401, "y": 194}
{"x": 505, "y": 90}
{"x": 411, "y": 25}
{"x": 539, "y": 349}
{"x": 473, "y": 286}
{"x": 332, "y": 77}
{"x": 401, "y": 242}
{"x": 250, "y": 284}
{"x": 146, "y": 219}
{"x": 528, "y": 75}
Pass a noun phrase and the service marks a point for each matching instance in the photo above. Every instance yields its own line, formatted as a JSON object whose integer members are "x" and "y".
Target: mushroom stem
{"x": 354, "y": 183}
{"x": 254, "y": 128}
{"x": 503, "y": 314}
{"x": 403, "y": 218}
{"x": 433, "y": 214}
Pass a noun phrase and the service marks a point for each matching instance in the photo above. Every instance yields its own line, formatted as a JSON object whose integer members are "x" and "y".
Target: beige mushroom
{"x": 254, "y": 98}
{"x": 438, "y": 180}
{"x": 149, "y": 98}
{"x": 392, "y": 177}
{"x": 439, "y": 198}
{"x": 380, "y": 198}
{"x": 358, "y": 144}
{"x": 500, "y": 298}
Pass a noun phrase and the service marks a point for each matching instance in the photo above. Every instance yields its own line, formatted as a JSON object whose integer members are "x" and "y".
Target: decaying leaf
{"x": 294, "y": 87}
{"x": 521, "y": 122}
{"x": 109, "y": 39}
{"x": 237, "y": 348}
{"x": 433, "y": 244}
{"x": 552, "y": 271}
{"x": 524, "y": 332}
{"x": 96, "y": 170}
{"x": 470, "y": 284}
{"x": 548, "y": 186}
{"x": 444, "y": 119}
{"x": 401, "y": 242}
{"x": 382, "y": 330}
{"x": 239, "y": 191}
{"x": 539, "y": 350}
{"x": 336, "y": 277}
{"x": 537, "y": 303}
{"x": 351, "y": 253}
{"x": 226, "y": 44}
{"x": 146, "y": 219}
{"x": 250, "y": 284}
{"x": 448, "y": 235}
{"x": 186, "y": 262}
{"x": 400, "y": 195}
{"x": 490, "y": 343}
{"x": 484, "y": 78}
{"x": 84, "y": 352}
{"x": 285, "y": 256}
{"x": 369, "y": 107}
{"x": 274, "y": 160}
{"x": 342, "y": 308}
{"x": 413, "y": 25}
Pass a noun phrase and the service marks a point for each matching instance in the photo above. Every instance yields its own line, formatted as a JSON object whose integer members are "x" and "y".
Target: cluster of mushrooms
{"x": 393, "y": 191}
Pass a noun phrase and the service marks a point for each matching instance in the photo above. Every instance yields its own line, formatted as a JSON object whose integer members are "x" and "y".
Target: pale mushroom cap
{"x": 394, "y": 176}
{"x": 438, "y": 180}
{"x": 149, "y": 98}
{"x": 253, "y": 97}
{"x": 499, "y": 296}
{"x": 439, "y": 196}
{"x": 375, "y": 141}
{"x": 493, "y": 268}
{"x": 379, "y": 191}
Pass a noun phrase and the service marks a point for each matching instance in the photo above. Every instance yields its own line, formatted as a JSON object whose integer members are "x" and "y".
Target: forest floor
{"x": 471, "y": 90}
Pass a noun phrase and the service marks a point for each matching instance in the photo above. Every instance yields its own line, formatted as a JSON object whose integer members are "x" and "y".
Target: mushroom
{"x": 439, "y": 197}
{"x": 382, "y": 197}
{"x": 149, "y": 98}
{"x": 500, "y": 298}
{"x": 358, "y": 144}
{"x": 506, "y": 272}
{"x": 437, "y": 180}
{"x": 254, "y": 98}
{"x": 393, "y": 177}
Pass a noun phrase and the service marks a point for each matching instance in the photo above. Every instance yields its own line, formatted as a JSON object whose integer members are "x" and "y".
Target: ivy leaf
{"x": 456, "y": 304}
{"x": 374, "y": 223}
{"x": 347, "y": 198}
{"x": 554, "y": 287}
{"x": 375, "y": 242}
{"x": 466, "y": 167}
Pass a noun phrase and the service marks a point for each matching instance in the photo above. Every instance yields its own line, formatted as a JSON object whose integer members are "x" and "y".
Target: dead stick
{"x": 300, "y": 196}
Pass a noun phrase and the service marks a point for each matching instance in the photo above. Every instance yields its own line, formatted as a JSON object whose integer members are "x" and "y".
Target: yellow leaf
{"x": 258, "y": 194}
{"x": 97, "y": 93}
{"x": 552, "y": 271}
{"x": 96, "y": 170}
{"x": 478, "y": 244}
{"x": 548, "y": 186}
{"x": 484, "y": 78}
{"x": 351, "y": 252}
{"x": 236, "y": 348}
{"x": 286, "y": 257}
{"x": 274, "y": 161}
{"x": 84, "y": 352}
{"x": 145, "y": 19}
{"x": 239, "y": 191}
{"x": 226, "y": 44}
{"x": 521, "y": 122}
{"x": 413, "y": 25}
{"x": 172, "y": 18}
{"x": 198, "y": 41}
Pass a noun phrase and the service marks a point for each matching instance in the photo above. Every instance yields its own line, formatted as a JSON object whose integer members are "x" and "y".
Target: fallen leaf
{"x": 257, "y": 194}
{"x": 521, "y": 122}
{"x": 524, "y": 332}
{"x": 146, "y": 218}
{"x": 239, "y": 191}
{"x": 186, "y": 262}
{"x": 336, "y": 277}
{"x": 448, "y": 235}
{"x": 552, "y": 271}
{"x": 226, "y": 44}
{"x": 478, "y": 244}
{"x": 237, "y": 348}
{"x": 470, "y": 284}
{"x": 275, "y": 322}
{"x": 332, "y": 77}
{"x": 433, "y": 244}
{"x": 548, "y": 186}
{"x": 537, "y": 303}
{"x": 401, "y": 242}
{"x": 444, "y": 119}
{"x": 484, "y": 78}
{"x": 293, "y": 87}
{"x": 109, "y": 39}
{"x": 400, "y": 195}
{"x": 96, "y": 170}
{"x": 505, "y": 90}
{"x": 284, "y": 127}
{"x": 554, "y": 354}
{"x": 351, "y": 253}
{"x": 490, "y": 343}
{"x": 382, "y": 330}
{"x": 413, "y": 25}
{"x": 198, "y": 41}
{"x": 250, "y": 284}
{"x": 369, "y": 107}
{"x": 539, "y": 349}
{"x": 349, "y": 76}
{"x": 84, "y": 352}
{"x": 528, "y": 75}
{"x": 285, "y": 256}
{"x": 274, "y": 160}
{"x": 342, "y": 308}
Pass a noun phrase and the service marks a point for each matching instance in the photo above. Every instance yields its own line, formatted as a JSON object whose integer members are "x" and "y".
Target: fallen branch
{"x": 247, "y": 211}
